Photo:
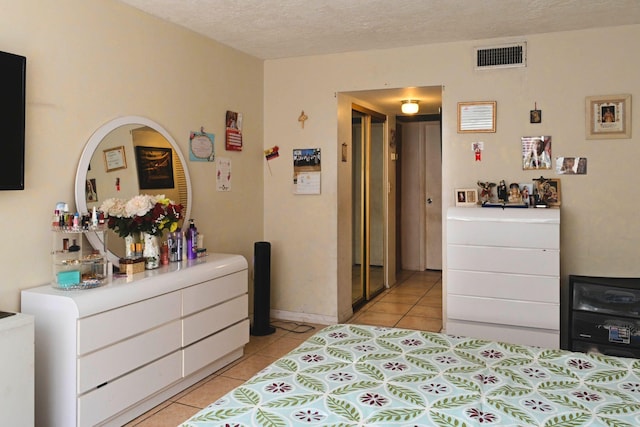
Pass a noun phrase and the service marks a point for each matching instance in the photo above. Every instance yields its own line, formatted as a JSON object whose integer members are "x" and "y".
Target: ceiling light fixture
{"x": 409, "y": 106}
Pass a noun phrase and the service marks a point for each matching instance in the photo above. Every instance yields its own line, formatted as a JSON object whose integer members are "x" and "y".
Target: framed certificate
{"x": 476, "y": 117}
{"x": 115, "y": 159}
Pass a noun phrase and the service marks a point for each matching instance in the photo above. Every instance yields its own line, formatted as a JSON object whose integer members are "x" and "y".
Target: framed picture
{"x": 155, "y": 167}
{"x": 608, "y": 117}
{"x": 114, "y": 159}
{"x": 535, "y": 116}
{"x": 536, "y": 152}
{"x": 91, "y": 194}
{"x": 571, "y": 165}
{"x": 477, "y": 117}
{"x": 526, "y": 193}
{"x": 547, "y": 191}
{"x": 466, "y": 197}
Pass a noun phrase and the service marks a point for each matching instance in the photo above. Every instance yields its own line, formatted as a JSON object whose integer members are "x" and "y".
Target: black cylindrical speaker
{"x": 262, "y": 289}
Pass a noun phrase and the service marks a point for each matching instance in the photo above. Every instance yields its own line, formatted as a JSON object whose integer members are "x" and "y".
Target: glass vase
{"x": 151, "y": 251}
{"x": 130, "y": 242}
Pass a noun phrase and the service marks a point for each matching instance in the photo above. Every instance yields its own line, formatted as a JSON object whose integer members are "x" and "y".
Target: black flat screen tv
{"x": 12, "y": 120}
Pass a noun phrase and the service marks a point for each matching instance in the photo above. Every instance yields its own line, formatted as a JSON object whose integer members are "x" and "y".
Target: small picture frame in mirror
{"x": 114, "y": 159}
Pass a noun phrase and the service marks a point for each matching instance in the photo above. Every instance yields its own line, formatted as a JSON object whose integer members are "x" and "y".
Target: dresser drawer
{"x": 519, "y": 228}
{"x": 111, "y": 326}
{"x": 504, "y": 286}
{"x": 505, "y": 333}
{"x": 213, "y": 319}
{"x": 212, "y": 292}
{"x": 606, "y": 329}
{"x": 118, "y": 395}
{"x": 539, "y": 262}
{"x": 502, "y": 311}
{"x": 607, "y": 299}
{"x": 110, "y": 362}
{"x": 200, "y": 354}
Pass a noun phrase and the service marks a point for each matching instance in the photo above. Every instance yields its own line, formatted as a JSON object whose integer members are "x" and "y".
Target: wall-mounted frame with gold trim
{"x": 477, "y": 117}
{"x": 114, "y": 159}
{"x": 608, "y": 117}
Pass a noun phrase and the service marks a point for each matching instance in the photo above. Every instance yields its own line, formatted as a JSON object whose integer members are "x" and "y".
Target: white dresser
{"x": 16, "y": 370}
{"x": 109, "y": 354}
{"x": 503, "y": 274}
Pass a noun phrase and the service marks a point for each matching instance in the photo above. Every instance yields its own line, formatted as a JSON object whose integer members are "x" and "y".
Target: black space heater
{"x": 262, "y": 289}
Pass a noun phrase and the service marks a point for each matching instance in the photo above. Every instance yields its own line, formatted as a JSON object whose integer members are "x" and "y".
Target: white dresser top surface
{"x": 122, "y": 290}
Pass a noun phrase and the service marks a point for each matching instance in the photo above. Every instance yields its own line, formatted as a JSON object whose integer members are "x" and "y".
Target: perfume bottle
{"x": 192, "y": 240}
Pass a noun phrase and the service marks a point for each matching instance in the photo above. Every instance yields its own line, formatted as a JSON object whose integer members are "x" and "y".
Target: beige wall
{"x": 600, "y": 232}
{"x": 90, "y": 61}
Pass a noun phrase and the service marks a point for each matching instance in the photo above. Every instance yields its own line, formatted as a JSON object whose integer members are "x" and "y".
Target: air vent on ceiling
{"x": 501, "y": 56}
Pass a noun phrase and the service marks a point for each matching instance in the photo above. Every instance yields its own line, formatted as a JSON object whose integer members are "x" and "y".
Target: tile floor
{"x": 414, "y": 303}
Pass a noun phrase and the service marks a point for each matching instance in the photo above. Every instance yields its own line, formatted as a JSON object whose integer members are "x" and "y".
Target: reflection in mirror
{"x": 368, "y": 198}
{"x": 112, "y": 165}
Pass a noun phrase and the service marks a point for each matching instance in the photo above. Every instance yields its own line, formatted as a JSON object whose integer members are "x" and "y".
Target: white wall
{"x": 90, "y": 61}
{"x": 599, "y": 231}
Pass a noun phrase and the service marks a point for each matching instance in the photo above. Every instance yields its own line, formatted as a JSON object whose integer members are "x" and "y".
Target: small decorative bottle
{"x": 74, "y": 247}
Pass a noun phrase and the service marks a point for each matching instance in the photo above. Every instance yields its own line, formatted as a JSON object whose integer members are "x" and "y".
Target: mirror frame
{"x": 92, "y": 144}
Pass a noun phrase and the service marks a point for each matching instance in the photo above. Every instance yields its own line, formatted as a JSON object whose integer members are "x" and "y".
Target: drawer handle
{"x": 585, "y": 336}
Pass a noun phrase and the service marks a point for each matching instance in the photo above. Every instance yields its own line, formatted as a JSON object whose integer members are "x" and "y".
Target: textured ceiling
{"x": 271, "y": 29}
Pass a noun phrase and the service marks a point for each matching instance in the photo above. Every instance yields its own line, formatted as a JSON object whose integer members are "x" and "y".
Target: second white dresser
{"x": 503, "y": 275}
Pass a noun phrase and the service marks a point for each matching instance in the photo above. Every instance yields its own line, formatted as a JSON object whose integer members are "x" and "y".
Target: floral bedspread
{"x": 354, "y": 375}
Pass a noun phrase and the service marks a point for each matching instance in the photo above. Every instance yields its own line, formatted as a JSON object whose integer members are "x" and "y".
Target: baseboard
{"x": 303, "y": 317}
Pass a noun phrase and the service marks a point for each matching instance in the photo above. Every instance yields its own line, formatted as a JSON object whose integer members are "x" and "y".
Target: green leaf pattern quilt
{"x": 355, "y": 375}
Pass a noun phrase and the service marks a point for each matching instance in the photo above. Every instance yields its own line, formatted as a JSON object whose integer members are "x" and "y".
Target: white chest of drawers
{"x": 16, "y": 370}
{"x": 503, "y": 274}
{"x": 106, "y": 355}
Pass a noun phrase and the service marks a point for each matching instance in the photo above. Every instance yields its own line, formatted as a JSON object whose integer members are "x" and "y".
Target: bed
{"x": 356, "y": 375}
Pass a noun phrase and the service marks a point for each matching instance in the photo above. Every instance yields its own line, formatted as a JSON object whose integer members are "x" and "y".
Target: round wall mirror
{"x": 125, "y": 157}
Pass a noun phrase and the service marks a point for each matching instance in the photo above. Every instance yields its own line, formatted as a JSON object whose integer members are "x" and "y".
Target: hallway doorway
{"x": 419, "y": 195}
{"x": 351, "y": 263}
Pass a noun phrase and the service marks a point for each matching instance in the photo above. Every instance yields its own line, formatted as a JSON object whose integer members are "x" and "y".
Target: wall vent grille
{"x": 502, "y": 56}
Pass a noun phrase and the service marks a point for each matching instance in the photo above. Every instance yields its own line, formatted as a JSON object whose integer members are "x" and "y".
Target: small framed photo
{"x": 114, "y": 159}
{"x": 526, "y": 193}
{"x": 547, "y": 191}
{"x": 608, "y": 117}
{"x": 535, "y": 116}
{"x": 477, "y": 117}
{"x": 571, "y": 165}
{"x": 536, "y": 152}
{"x": 466, "y": 197}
